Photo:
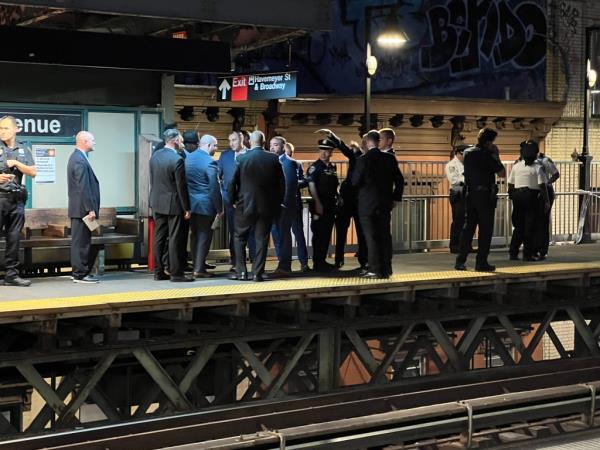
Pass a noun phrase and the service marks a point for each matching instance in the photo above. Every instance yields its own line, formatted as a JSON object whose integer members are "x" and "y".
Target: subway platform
{"x": 133, "y": 348}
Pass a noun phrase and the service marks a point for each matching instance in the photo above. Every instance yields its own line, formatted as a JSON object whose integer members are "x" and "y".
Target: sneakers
{"x": 88, "y": 279}
{"x": 17, "y": 281}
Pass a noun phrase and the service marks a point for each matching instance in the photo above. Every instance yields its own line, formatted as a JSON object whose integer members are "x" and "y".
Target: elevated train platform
{"x": 131, "y": 348}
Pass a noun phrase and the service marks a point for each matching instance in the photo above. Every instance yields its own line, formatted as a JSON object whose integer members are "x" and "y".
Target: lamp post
{"x": 589, "y": 81}
{"x": 391, "y": 37}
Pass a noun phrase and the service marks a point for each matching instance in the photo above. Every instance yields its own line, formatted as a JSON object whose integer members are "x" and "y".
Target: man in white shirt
{"x": 456, "y": 181}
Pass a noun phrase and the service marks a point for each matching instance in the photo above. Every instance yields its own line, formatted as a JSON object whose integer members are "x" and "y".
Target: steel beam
{"x": 308, "y": 14}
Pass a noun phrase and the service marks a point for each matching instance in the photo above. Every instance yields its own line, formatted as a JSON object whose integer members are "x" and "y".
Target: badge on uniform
{"x": 311, "y": 169}
{"x": 21, "y": 151}
{"x": 1, "y": 152}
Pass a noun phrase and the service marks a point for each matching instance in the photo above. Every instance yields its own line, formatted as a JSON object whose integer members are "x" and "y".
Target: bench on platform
{"x": 52, "y": 228}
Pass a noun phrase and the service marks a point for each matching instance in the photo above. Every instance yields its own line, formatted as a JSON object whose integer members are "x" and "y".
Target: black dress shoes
{"x": 460, "y": 266}
{"x": 161, "y": 276}
{"x": 209, "y": 266}
{"x": 260, "y": 277}
{"x": 181, "y": 279}
{"x": 243, "y": 276}
{"x": 485, "y": 268}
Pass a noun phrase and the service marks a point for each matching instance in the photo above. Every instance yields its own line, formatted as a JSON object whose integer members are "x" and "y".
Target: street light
{"x": 390, "y": 37}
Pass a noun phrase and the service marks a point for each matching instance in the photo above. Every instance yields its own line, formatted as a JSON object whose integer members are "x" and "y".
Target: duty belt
{"x": 479, "y": 188}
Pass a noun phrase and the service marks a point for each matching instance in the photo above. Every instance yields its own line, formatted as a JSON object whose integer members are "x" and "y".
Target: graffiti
{"x": 464, "y": 34}
{"x": 570, "y": 16}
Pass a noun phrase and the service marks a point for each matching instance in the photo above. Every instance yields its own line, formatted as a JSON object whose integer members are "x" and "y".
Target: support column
{"x": 167, "y": 98}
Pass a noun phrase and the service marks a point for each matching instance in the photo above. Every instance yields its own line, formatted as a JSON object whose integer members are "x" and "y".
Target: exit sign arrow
{"x": 224, "y": 87}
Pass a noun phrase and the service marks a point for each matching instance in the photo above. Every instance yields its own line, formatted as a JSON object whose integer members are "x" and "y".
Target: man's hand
{"x": 12, "y": 163}
{"x": 187, "y": 215}
{"x": 6, "y": 177}
{"x": 91, "y": 215}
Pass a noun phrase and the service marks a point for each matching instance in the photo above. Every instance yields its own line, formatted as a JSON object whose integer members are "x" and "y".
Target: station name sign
{"x": 265, "y": 86}
{"x": 46, "y": 123}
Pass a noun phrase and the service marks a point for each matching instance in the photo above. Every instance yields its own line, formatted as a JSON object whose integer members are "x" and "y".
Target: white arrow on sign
{"x": 224, "y": 87}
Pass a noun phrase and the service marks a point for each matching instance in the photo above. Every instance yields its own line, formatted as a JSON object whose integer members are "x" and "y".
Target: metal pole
{"x": 585, "y": 158}
{"x": 367, "y": 98}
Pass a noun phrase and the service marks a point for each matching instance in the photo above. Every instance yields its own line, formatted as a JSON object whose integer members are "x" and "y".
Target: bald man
{"x": 84, "y": 203}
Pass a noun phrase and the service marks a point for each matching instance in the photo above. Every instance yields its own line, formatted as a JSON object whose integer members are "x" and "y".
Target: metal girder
{"x": 445, "y": 342}
{"x": 284, "y": 374}
{"x": 308, "y": 14}
{"x": 362, "y": 351}
{"x": 379, "y": 374}
{"x": 65, "y": 387}
{"x": 162, "y": 379}
{"x": 583, "y": 329}
{"x": 254, "y": 362}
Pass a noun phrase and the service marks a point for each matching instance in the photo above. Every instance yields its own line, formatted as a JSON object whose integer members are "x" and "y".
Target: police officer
{"x": 528, "y": 192}
{"x": 482, "y": 163}
{"x": 349, "y": 207}
{"x": 456, "y": 180}
{"x": 323, "y": 186}
{"x": 552, "y": 175}
{"x": 15, "y": 161}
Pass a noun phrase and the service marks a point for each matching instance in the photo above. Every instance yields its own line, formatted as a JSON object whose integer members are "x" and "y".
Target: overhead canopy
{"x": 305, "y": 14}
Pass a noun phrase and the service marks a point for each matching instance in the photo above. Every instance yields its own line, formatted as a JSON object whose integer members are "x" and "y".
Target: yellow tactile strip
{"x": 310, "y": 285}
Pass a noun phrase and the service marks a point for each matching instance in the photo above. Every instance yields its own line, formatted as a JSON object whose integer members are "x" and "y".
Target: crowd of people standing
{"x": 257, "y": 190}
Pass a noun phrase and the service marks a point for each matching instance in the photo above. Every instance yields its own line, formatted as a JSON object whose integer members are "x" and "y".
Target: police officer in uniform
{"x": 15, "y": 161}
{"x": 529, "y": 194}
{"x": 323, "y": 186}
{"x": 456, "y": 180}
{"x": 349, "y": 206}
{"x": 482, "y": 164}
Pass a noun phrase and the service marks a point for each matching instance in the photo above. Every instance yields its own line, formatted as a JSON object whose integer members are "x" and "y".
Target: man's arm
{"x": 214, "y": 186}
{"x": 81, "y": 176}
{"x": 182, "y": 190}
{"x": 359, "y": 172}
{"x": 398, "y": 183}
{"x": 234, "y": 187}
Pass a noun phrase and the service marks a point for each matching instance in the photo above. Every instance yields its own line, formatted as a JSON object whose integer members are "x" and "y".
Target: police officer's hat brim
{"x": 326, "y": 144}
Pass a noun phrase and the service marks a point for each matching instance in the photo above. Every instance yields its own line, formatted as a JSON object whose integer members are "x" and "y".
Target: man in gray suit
{"x": 170, "y": 205}
{"x": 256, "y": 191}
{"x": 84, "y": 203}
{"x": 201, "y": 172}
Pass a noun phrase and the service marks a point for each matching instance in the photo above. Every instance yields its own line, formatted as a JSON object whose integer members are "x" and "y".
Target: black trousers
{"x": 480, "y": 208}
{"x": 321, "y": 228}
{"x": 525, "y": 216}
{"x": 202, "y": 234}
{"x": 458, "y": 205}
{"x": 170, "y": 236}
{"x": 342, "y": 223}
{"x": 544, "y": 227}
{"x": 379, "y": 241}
{"x": 12, "y": 218}
{"x": 243, "y": 226}
{"x": 83, "y": 253}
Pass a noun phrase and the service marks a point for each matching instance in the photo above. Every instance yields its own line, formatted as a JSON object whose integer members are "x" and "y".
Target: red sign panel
{"x": 239, "y": 90}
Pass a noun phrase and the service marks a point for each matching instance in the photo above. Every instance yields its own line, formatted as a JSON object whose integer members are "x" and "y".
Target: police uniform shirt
{"x": 480, "y": 167}
{"x": 522, "y": 176}
{"x": 455, "y": 172}
{"x": 21, "y": 154}
{"x": 326, "y": 181}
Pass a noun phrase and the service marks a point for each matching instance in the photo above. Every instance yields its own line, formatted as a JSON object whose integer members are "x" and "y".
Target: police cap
{"x": 326, "y": 144}
{"x": 190, "y": 137}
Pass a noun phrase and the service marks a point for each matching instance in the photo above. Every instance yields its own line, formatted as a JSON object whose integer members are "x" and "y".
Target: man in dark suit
{"x": 256, "y": 191}
{"x": 170, "y": 205}
{"x": 206, "y": 202}
{"x": 84, "y": 203}
{"x": 380, "y": 184}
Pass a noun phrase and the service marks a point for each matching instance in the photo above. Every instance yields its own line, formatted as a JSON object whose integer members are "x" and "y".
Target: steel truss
{"x": 163, "y": 362}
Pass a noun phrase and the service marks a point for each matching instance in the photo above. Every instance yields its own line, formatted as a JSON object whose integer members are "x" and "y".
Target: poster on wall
{"x": 45, "y": 161}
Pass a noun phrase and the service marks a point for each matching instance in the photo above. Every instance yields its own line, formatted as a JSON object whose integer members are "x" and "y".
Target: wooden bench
{"x": 52, "y": 228}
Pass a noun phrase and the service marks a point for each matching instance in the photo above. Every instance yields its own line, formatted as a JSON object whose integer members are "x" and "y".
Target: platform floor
{"x": 137, "y": 286}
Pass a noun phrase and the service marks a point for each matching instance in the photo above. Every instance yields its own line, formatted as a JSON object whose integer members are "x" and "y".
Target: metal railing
{"x": 422, "y": 220}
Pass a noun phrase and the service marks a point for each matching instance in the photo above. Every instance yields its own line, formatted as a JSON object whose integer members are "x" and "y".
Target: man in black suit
{"x": 380, "y": 184}
{"x": 84, "y": 203}
{"x": 256, "y": 191}
{"x": 170, "y": 205}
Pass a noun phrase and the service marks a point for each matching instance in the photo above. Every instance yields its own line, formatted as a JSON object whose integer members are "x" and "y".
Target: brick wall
{"x": 567, "y": 20}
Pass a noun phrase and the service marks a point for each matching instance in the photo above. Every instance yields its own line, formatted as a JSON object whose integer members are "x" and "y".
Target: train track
{"x": 367, "y": 416}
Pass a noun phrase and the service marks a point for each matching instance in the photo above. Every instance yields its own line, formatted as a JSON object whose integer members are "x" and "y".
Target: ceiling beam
{"x": 305, "y": 14}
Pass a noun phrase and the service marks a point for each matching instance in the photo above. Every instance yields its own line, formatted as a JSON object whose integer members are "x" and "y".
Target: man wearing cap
{"x": 323, "y": 186}
{"x": 456, "y": 181}
{"x": 256, "y": 191}
{"x": 380, "y": 184}
{"x": 190, "y": 143}
{"x": 170, "y": 205}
